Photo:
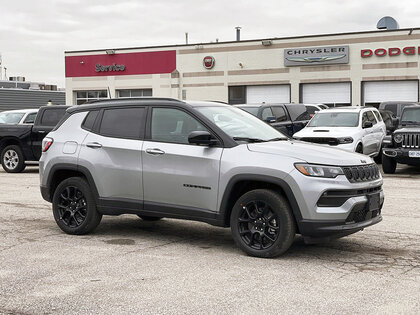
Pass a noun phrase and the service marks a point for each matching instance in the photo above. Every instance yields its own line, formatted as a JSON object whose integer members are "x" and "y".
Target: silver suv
{"x": 208, "y": 162}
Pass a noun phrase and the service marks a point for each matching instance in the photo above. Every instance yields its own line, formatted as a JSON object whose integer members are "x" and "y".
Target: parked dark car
{"x": 286, "y": 118}
{"x": 403, "y": 146}
{"x": 395, "y": 107}
{"x": 391, "y": 122}
{"x": 22, "y": 143}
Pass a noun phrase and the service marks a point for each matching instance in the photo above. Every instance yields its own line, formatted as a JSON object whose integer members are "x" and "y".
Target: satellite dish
{"x": 387, "y": 23}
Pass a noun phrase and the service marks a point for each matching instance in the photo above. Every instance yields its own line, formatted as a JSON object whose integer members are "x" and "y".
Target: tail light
{"x": 46, "y": 144}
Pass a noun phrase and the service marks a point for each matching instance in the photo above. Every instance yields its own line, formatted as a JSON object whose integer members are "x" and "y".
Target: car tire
{"x": 74, "y": 207}
{"x": 389, "y": 165}
{"x": 149, "y": 218}
{"x": 359, "y": 148}
{"x": 262, "y": 223}
{"x": 12, "y": 159}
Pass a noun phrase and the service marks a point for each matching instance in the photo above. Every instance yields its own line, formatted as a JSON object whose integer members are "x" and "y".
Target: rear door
{"x": 283, "y": 122}
{"x": 112, "y": 153}
{"x": 45, "y": 122}
{"x": 299, "y": 116}
{"x": 368, "y": 138}
{"x": 175, "y": 172}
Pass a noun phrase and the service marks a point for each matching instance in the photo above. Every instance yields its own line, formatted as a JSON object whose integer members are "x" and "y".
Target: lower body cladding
{"x": 333, "y": 208}
{"x": 409, "y": 156}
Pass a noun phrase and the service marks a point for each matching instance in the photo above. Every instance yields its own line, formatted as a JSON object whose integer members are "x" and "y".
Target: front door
{"x": 176, "y": 173}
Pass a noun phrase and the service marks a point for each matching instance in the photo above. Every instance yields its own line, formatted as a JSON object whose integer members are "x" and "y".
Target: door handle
{"x": 41, "y": 131}
{"x": 94, "y": 145}
{"x": 155, "y": 151}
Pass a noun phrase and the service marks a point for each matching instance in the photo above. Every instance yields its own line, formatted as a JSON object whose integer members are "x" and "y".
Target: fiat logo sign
{"x": 208, "y": 62}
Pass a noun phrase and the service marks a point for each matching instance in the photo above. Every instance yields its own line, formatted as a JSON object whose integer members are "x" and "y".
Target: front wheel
{"x": 262, "y": 223}
{"x": 74, "y": 207}
{"x": 359, "y": 148}
{"x": 12, "y": 159}
{"x": 389, "y": 165}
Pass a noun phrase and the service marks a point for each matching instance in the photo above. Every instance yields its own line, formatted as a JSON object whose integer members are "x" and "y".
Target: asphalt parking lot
{"x": 174, "y": 266}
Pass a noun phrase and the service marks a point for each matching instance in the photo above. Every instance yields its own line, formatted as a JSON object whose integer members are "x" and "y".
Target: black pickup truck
{"x": 22, "y": 143}
{"x": 286, "y": 118}
{"x": 403, "y": 145}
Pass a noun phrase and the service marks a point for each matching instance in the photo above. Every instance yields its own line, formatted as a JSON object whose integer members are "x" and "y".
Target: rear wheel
{"x": 74, "y": 207}
{"x": 389, "y": 165}
{"x": 149, "y": 218}
{"x": 262, "y": 223}
{"x": 12, "y": 159}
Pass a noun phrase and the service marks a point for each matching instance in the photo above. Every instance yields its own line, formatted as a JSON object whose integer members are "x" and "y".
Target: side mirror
{"x": 270, "y": 119}
{"x": 202, "y": 138}
{"x": 367, "y": 124}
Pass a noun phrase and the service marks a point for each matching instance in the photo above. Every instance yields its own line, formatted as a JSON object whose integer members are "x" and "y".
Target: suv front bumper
{"x": 401, "y": 155}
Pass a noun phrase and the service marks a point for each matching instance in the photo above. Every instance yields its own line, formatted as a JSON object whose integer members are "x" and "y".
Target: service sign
{"x": 316, "y": 56}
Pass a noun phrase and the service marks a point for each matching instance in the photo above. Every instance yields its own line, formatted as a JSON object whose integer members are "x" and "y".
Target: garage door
{"x": 327, "y": 93}
{"x": 267, "y": 94}
{"x": 377, "y": 92}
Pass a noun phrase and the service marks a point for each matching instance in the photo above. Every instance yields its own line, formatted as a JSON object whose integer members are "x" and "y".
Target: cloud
{"x": 35, "y": 34}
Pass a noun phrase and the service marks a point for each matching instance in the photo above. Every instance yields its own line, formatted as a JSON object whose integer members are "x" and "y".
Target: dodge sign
{"x": 316, "y": 55}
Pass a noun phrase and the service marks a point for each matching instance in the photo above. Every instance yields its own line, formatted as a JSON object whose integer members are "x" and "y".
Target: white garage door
{"x": 327, "y": 93}
{"x": 376, "y": 92}
{"x": 267, "y": 93}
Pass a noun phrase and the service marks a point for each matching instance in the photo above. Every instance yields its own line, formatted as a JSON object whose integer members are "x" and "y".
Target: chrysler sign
{"x": 316, "y": 55}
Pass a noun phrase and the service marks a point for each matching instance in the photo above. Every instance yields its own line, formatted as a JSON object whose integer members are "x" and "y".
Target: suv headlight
{"x": 345, "y": 140}
{"x": 319, "y": 170}
{"x": 398, "y": 138}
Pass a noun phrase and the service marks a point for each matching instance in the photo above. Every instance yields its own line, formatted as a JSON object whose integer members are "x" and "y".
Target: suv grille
{"x": 357, "y": 174}
{"x": 411, "y": 140}
{"x": 321, "y": 140}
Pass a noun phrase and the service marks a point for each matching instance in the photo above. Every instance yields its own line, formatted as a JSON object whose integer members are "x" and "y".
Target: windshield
{"x": 411, "y": 116}
{"x": 334, "y": 119}
{"x": 10, "y": 118}
{"x": 251, "y": 110}
{"x": 240, "y": 125}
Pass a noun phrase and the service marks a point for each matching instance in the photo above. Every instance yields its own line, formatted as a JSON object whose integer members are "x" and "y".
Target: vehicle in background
{"x": 403, "y": 146}
{"x": 204, "y": 161}
{"x": 395, "y": 107}
{"x": 18, "y": 117}
{"x": 286, "y": 118}
{"x": 352, "y": 128}
{"x": 313, "y": 109}
{"x": 22, "y": 143}
{"x": 390, "y": 121}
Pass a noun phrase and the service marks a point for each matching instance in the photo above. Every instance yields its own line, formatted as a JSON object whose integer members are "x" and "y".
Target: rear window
{"x": 52, "y": 116}
{"x": 123, "y": 122}
{"x": 392, "y": 108}
{"x": 90, "y": 120}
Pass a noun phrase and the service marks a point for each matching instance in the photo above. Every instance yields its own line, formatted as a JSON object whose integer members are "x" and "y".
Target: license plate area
{"x": 374, "y": 202}
{"x": 414, "y": 154}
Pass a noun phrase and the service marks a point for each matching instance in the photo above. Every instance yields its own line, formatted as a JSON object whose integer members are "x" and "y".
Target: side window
{"x": 311, "y": 110}
{"x": 52, "y": 116}
{"x": 392, "y": 108}
{"x": 173, "y": 125}
{"x": 266, "y": 113}
{"x": 298, "y": 112}
{"x": 371, "y": 117}
{"x": 90, "y": 120}
{"x": 364, "y": 118}
{"x": 279, "y": 113}
{"x": 378, "y": 115}
{"x": 123, "y": 122}
{"x": 30, "y": 119}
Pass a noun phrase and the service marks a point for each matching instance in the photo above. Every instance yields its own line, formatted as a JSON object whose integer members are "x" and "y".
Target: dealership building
{"x": 363, "y": 68}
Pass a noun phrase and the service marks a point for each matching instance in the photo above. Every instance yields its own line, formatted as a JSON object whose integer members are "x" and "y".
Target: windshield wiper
{"x": 278, "y": 139}
{"x": 251, "y": 140}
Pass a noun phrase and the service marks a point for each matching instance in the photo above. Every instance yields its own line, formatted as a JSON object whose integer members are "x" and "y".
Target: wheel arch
{"x": 60, "y": 172}
{"x": 240, "y": 184}
{"x": 5, "y": 142}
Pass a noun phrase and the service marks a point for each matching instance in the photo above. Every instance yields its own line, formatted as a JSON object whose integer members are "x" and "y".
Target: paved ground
{"x": 173, "y": 266}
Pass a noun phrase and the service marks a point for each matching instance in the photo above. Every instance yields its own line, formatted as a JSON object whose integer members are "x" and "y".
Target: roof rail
{"x": 110, "y": 100}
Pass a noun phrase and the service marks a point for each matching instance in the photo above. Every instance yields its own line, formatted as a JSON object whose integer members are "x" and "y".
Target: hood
{"x": 408, "y": 129}
{"x": 334, "y": 132}
{"x": 311, "y": 153}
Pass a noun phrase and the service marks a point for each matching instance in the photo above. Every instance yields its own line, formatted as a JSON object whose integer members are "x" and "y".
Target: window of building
{"x": 237, "y": 94}
{"x": 134, "y": 93}
{"x": 85, "y": 96}
{"x": 173, "y": 125}
{"x": 123, "y": 123}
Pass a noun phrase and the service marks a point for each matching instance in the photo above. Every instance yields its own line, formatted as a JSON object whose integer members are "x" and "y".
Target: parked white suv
{"x": 356, "y": 129}
{"x": 18, "y": 117}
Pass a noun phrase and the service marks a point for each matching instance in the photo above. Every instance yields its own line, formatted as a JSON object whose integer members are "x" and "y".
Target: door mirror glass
{"x": 367, "y": 124}
{"x": 270, "y": 119}
{"x": 202, "y": 138}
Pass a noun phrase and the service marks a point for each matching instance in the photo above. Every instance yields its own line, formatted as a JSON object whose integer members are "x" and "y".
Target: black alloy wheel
{"x": 262, "y": 223}
{"x": 74, "y": 207}
{"x": 258, "y": 225}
